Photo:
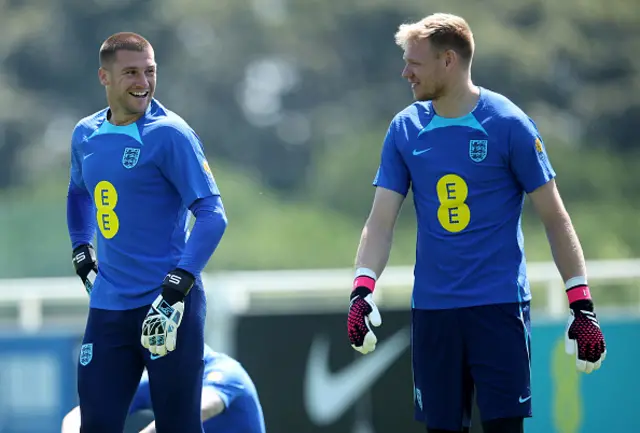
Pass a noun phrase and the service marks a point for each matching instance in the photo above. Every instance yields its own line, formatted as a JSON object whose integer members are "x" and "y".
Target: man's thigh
{"x": 499, "y": 355}
{"x": 176, "y": 379}
{"x": 109, "y": 368}
{"x": 443, "y": 389}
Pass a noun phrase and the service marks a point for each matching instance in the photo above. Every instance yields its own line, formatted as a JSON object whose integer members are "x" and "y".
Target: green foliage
{"x": 333, "y": 68}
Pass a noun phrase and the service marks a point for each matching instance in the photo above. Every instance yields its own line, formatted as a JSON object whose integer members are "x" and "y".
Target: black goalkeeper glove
{"x": 84, "y": 262}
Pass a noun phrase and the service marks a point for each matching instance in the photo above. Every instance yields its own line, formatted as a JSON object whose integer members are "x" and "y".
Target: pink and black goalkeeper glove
{"x": 583, "y": 336}
{"x": 362, "y": 314}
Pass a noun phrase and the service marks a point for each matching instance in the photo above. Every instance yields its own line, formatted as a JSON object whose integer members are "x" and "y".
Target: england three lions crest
{"x": 86, "y": 354}
{"x": 130, "y": 157}
{"x": 478, "y": 150}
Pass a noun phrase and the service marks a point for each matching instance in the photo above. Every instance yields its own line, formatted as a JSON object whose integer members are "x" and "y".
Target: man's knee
{"x": 504, "y": 425}
{"x": 101, "y": 418}
{"x": 98, "y": 423}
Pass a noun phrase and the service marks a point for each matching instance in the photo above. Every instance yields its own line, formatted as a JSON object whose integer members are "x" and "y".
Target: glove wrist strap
{"x": 176, "y": 285}
{"x": 367, "y": 282}
{"x": 578, "y": 293}
{"x": 83, "y": 258}
{"x": 365, "y": 277}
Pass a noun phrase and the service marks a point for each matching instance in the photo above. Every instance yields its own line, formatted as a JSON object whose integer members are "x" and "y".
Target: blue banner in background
{"x": 566, "y": 401}
{"x": 37, "y": 381}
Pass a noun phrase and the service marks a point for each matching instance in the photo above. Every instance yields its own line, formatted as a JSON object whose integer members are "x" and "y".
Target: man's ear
{"x": 103, "y": 76}
{"x": 449, "y": 57}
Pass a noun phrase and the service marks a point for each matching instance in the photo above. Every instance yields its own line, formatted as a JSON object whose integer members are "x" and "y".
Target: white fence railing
{"x": 233, "y": 291}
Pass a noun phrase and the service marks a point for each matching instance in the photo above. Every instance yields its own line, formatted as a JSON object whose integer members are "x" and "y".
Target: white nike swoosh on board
{"x": 328, "y": 395}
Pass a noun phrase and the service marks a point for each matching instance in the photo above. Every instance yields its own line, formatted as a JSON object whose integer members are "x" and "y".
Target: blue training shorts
{"x": 456, "y": 350}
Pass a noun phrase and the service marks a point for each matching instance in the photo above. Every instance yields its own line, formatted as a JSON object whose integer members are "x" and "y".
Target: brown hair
{"x": 121, "y": 41}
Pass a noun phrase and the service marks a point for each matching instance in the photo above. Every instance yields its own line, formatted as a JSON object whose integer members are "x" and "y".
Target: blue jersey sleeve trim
{"x": 227, "y": 383}
{"x": 80, "y": 221}
{"x": 210, "y": 225}
{"x": 223, "y": 396}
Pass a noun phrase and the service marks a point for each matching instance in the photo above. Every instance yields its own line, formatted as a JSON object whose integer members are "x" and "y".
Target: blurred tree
{"x": 299, "y": 94}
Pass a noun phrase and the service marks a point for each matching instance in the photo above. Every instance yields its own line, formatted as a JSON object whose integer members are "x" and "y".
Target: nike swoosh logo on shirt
{"x": 522, "y": 400}
{"x": 417, "y": 152}
{"x": 88, "y": 155}
{"x": 328, "y": 395}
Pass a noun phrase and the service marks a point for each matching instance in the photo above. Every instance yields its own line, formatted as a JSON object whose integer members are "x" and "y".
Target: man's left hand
{"x": 583, "y": 336}
{"x": 160, "y": 327}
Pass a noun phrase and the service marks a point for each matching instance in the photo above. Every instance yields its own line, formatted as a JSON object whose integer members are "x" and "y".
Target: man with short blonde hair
{"x": 444, "y": 31}
{"x": 470, "y": 156}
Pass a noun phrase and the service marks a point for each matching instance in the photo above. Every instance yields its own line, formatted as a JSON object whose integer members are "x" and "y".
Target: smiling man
{"x": 137, "y": 171}
{"x": 470, "y": 156}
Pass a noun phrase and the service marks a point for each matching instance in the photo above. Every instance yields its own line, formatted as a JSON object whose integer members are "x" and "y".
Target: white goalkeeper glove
{"x": 160, "y": 327}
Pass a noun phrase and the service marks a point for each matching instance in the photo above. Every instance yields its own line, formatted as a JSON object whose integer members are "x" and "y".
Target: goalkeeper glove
{"x": 160, "y": 327}
{"x": 84, "y": 262}
{"x": 363, "y": 312}
{"x": 583, "y": 336}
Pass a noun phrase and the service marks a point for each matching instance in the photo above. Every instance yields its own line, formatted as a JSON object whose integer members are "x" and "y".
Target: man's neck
{"x": 459, "y": 100}
{"x": 122, "y": 119}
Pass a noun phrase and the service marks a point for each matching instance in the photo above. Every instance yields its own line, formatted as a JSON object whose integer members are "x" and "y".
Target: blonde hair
{"x": 444, "y": 31}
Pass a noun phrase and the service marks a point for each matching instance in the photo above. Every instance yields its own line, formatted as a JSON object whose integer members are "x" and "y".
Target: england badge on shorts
{"x": 86, "y": 354}
{"x": 478, "y": 150}
{"x": 130, "y": 157}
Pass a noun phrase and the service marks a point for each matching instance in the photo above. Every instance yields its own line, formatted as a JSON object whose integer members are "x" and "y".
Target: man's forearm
{"x": 565, "y": 248}
{"x": 375, "y": 248}
{"x": 80, "y": 219}
{"x": 210, "y": 225}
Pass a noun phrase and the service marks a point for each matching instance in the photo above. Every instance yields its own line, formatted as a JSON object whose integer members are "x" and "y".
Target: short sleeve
{"x": 142, "y": 398}
{"x": 183, "y": 162}
{"x": 227, "y": 383}
{"x": 528, "y": 157}
{"x": 392, "y": 172}
{"x": 76, "y": 158}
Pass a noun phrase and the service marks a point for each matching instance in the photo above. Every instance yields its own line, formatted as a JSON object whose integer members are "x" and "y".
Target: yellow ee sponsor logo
{"x": 106, "y": 198}
{"x": 453, "y": 213}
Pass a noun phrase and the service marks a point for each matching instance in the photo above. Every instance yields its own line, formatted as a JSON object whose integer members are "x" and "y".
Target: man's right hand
{"x": 362, "y": 313}
{"x": 84, "y": 262}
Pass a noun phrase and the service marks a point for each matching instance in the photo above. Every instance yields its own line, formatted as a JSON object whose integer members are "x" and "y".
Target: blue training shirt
{"x": 141, "y": 179}
{"x": 225, "y": 376}
{"x": 469, "y": 176}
